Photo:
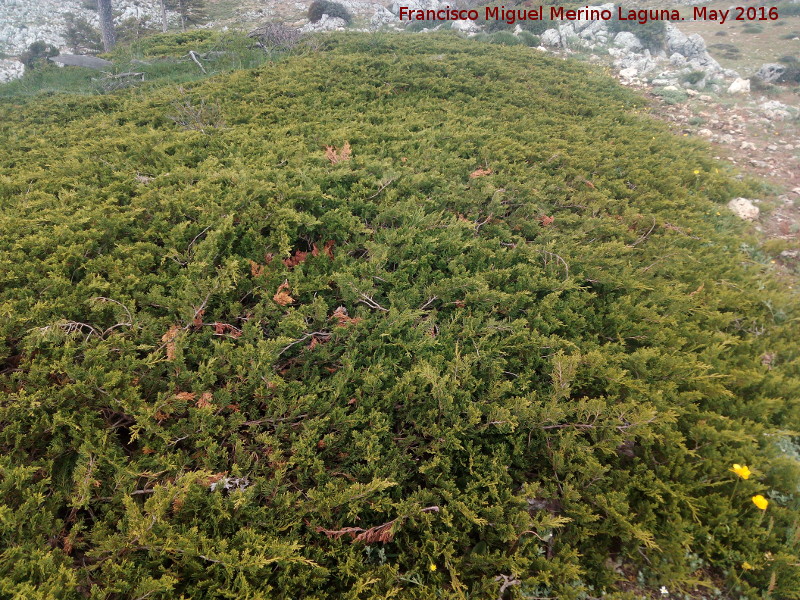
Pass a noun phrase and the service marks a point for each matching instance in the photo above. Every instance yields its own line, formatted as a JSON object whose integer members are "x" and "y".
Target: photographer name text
{"x": 559, "y": 13}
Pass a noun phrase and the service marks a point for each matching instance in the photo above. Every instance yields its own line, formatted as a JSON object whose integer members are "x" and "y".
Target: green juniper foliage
{"x": 410, "y": 317}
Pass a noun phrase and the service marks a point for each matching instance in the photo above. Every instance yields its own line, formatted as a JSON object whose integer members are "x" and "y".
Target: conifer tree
{"x": 107, "y": 24}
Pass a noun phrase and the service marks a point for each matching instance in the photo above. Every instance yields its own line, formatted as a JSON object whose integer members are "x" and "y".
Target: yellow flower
{"x": 742, "y": 471}
{"x": 432, "y": 567}
{"x": 760, "y": 502}
{"x": 747, "y": 566}
{"x": 697, "y": 171}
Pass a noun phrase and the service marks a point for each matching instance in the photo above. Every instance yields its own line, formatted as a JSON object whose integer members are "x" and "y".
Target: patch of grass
{"x": 693, "y": 77}
{"x": 529, "y": 39}
{"x": 163, "y": 60}
{"x": 671, "y": 96}
{"x": 505, "y": 38}
{"x": 751, "y": 27}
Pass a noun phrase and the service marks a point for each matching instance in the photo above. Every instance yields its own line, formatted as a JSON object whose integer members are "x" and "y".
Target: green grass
{"x": 514, "y": 334}
{"x": 162, "y": 58}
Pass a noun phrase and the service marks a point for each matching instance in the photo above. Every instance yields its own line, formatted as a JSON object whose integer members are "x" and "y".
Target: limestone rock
{"x": 10, "y": 70}
{"x": 739, "y": 86}
{"x": 628, "y": 41}
{"x": 770, "y": 72}
{"x": 744, "y": 209}
{"x": 78, "y": 60}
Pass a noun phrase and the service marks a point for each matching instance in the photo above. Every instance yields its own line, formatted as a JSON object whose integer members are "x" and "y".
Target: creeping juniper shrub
{"x": 457, "y": 304}
{"x": 326, "y": 7}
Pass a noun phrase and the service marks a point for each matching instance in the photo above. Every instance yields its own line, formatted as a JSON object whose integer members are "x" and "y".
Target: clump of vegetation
{"x": 318, "y": 8}
{"x": 504, "y": 37}
{"x": 276, "y": 36}
{"x": 37, "y": 54}
{"x": 450, "y": 322}
{"x": 751, "y": 27}
{"x": 729, "y": 51}
{"x": 529, "y": 39}
{"x": 81, "y": 36}
{"x": 671, "y": 96}
{"x": 692, "y": 77}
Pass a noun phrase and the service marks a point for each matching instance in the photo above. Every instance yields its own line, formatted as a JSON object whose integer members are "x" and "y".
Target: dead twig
{"x": 371, "y": 303}
{"x": 380, "y": 189}
{"x": 193, "y": 56}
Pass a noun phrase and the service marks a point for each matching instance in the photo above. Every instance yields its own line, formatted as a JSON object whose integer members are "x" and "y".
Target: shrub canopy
{"x": 412, "y": 317}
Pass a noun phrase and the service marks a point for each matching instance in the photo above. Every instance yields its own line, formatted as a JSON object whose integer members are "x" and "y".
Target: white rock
{"x": 466, "y": 26}
{"x": 326, "y": 23}
{"x": 551, "y": 38}
{"x": 628, "y": 41}
{"x": 629, "y": 73}
{"x": 10, "y": 70}
{"x": 744, "y": 209}
{"x": 739, "y": 86}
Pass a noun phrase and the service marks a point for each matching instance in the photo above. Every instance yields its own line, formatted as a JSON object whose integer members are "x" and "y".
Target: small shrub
{"x": 81, "y": 36}
{"x": 529, "y": 39}
{"x": 693, "y": 77}
{"x": 727, "y": 50}
{"x": 788, "y": 60}
{"x": 170, "y": 44}
{"x": 276, "y": 36}
{"x": 505, "y": 38}
{"x": 197, "y": 116}
{"x": 133, "y": 30}
{"x": 37, "y": 54}
{"x": 721, "y": 33}
{"x": 326, "y": 7}
{"x": 752, "y": 28}
{"x": 671, "y": 96}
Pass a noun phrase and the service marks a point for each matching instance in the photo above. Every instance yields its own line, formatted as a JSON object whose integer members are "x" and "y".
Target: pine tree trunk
{"x": 163, "y": 16}
{"x": 107, "y": 24}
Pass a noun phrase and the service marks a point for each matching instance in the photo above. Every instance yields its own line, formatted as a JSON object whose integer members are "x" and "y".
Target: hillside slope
{"x": 408, "y": 317}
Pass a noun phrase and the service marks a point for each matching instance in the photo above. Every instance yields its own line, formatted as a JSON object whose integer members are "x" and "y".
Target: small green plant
{"x": 693, "y": 77}
{"x": 81, "y": 36}
{"x": 671, "y": 96}
{"x": 37, "y": 54}
{"x": 504, "y": 37}
{"x": 752, "y": 28}
{"x": 528, "y": 38}
{"x": 318, "y": 8}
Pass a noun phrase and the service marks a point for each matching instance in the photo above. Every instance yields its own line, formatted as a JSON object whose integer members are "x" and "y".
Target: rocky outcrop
{"x": 23, "y": 22}
{"x": 77, "y": 60}
{"x": 771, "y": 72}
{"x": 10, "y": 69}
{"x": 682, "y": 61}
